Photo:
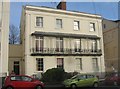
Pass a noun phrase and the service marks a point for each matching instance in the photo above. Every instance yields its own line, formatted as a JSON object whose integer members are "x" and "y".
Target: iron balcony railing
{"x": 64, "y": 51}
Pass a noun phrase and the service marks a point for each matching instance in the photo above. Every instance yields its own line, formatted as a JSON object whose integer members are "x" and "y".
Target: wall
{"x": 110, "y": 35}
{"x": 15, "y": 54}
{"x": 4, "y": 38}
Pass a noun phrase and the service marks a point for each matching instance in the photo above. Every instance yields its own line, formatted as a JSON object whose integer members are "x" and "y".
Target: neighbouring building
{"x": 55, "y": 38}
{"x": 4, "y": 37}
{"x": 15, "y": 63}
{"x": 111, "y": 35}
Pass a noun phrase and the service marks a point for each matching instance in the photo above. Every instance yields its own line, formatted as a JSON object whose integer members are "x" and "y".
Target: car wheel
{"x": 9, "y": 87}
{"x": 38, "y": 87}
{"x": 95, "y": 85}
{"x": 73, "y": 86}
{"x": 115, "y": 83}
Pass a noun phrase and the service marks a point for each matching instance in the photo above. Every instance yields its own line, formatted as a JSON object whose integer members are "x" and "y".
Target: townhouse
{"x": 4, "y": 37}
{"x": 57, "y": 38}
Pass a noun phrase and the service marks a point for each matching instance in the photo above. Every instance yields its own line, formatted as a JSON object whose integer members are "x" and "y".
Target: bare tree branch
{"x": 14, "y": 35}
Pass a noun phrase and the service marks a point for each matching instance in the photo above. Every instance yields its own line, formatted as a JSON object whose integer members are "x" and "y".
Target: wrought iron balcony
{"x": 65, "y": 52}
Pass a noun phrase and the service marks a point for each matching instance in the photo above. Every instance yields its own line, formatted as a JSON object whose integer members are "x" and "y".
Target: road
{"x": 100, "y": 87}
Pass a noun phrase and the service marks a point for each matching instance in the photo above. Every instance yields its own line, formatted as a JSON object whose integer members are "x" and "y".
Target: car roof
{"x": 19, "y": 75}
{"x": 85, "y": 74}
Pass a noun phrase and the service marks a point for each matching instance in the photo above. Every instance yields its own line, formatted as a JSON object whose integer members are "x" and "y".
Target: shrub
{"x": 69, "y": 75}
{"x": 53, "y": 75}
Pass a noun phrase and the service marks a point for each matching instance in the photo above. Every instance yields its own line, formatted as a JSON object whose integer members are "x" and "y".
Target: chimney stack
{"x": 62, "y": 5}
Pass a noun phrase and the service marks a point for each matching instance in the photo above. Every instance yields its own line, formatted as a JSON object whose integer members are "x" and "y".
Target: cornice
{"x": 64, "y": 12}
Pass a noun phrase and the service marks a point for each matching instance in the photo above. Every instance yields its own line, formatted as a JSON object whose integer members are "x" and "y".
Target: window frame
{"x": 80, "y": 63}
{"x": 77, "y": 45}
{"x": 39, "y": 43}
{"x": 92, "y": 27}
{"x": 59, "y": 23}
{"x": 94, "y": 45}
{"x": 60, "y": 65}
{"x": 39, "y": 67}
{"x": 59, "y": 44}
{"x": 40, "y": 22}
{"x": 95, "y": 64}
{"x": 76, "y": 25}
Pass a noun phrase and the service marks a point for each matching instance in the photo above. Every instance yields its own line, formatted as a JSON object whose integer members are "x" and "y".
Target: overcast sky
{"x": 108, "y": 10}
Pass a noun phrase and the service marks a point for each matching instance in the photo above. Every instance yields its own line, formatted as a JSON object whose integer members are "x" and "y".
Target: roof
{"x": 111, "y": 20}
{"x": 117, "y": 21}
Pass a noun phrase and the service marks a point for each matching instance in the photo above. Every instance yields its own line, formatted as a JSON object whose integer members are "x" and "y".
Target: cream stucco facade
{"x": 4, "y": 37}
{"x": 47, "y": 46}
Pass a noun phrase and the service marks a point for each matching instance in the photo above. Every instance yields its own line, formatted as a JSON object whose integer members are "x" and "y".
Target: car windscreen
{"x": 74, "y": 77}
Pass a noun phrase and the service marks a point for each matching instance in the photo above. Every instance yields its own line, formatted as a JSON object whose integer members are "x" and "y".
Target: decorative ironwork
{"x": 65, "y": 51}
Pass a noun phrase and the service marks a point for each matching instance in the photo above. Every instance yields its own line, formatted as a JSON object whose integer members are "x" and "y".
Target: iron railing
{"x": 64, "y": 51}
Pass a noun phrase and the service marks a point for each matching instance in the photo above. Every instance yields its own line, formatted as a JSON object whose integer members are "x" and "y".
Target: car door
{"x": 16, "y": 82}
{"x": 90, "y": 80}
{"x": 81, "y": 81}
{"x": 27, "y": 82}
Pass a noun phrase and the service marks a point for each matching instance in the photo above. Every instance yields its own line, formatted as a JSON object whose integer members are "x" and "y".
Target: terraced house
{"x": 54, "y": 38}
{"x": 4, "y": 36}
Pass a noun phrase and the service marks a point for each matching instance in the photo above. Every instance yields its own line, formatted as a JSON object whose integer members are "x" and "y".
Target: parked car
{"x": 82, "y": 80}
{"x": 112, "y": 79}
{"x": 22, "y": 82}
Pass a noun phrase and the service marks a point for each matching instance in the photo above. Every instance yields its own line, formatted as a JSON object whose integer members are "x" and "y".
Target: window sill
{"x": 76, "y": 30}
{"x": 91, "y": 31}
{"x": 39, "y": 27}
{"x": 59, "y": 28}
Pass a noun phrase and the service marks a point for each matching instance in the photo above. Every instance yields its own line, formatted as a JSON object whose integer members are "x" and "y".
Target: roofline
{"x": 111, "y": 20}
{"x": 54, "y": 10}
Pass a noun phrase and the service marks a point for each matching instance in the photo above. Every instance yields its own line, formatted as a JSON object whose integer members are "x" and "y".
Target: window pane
{"x": 94, "y": 45}
{"x": 39, "y": 21}
{"x": 26, "y": 79}
{"x": 60, "y": 63}
{"x": 59, "y": 44}
{"x": 95, "y": 64}
{"x": 39, "y": 44}
{"x": 76, "y": 25}
{"x": 79, "y": 64}
{"x": 92, "y": 26}
{"x": 77, "y": 45}
{"x": 39, "y": 64}
{"x": 16, "y": 78}
{"x": 59, "y": 23}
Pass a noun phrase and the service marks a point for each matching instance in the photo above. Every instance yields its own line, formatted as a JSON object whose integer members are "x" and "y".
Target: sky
{"x": 108, "y": 10}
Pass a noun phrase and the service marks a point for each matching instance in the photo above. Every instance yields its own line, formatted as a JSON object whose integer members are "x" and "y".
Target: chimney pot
{"x": 62, "y": 5}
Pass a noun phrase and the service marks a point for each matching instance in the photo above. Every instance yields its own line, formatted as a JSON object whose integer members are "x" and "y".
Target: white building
{"x": 54, "y": 38}
{"x": 4, "y": 37}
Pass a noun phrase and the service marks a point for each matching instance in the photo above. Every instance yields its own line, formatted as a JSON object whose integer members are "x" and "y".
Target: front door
{"x": 17, "y": 67}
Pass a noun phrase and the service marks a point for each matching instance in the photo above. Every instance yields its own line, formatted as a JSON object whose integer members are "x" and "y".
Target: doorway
{"x": 17, "y": 67}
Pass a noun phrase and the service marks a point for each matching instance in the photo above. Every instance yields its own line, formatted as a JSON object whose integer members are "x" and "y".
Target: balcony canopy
{"x": 67, "y": 35}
